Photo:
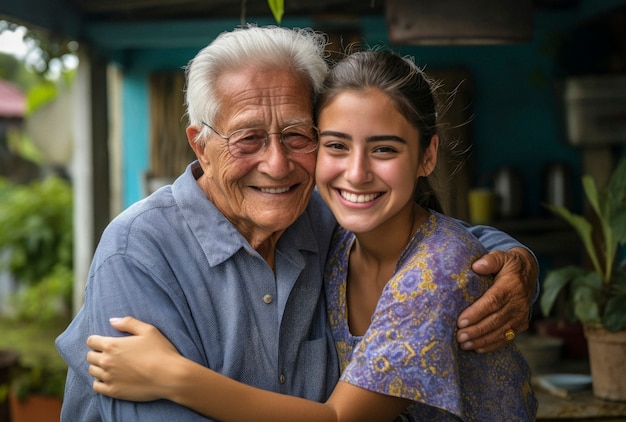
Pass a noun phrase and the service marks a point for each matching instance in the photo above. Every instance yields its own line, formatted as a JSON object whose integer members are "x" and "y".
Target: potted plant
{"x": 36, "y": 391}
{"x": 595, "y": 295}
{"x": 34, "y": 385}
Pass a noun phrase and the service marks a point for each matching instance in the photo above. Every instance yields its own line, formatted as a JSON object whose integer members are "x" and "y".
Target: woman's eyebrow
{"x": 335, "y": 134}
{"x": 379, "y": 138}
{"x": 374, "y": 138}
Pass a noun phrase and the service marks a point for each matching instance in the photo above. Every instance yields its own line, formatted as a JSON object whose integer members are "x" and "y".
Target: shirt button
{"x": 267, "y": 299}
{"x": 282, "y": 378}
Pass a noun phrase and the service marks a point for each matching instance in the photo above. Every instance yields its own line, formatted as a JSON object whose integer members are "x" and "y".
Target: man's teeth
{"x": 273, "y": 190}
{"x": 353, "y": 197}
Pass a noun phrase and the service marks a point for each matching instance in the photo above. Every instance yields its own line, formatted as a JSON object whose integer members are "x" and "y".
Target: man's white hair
{"x": 270, "y": 46}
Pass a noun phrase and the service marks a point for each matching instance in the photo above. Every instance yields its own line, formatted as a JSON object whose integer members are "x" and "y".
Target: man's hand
{"x": 505, "y": 306}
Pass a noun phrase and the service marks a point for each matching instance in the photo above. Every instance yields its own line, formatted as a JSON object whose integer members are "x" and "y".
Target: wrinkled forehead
{"x": 263, "y": 91}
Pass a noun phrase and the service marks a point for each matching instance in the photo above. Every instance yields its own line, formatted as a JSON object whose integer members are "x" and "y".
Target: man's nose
{"x": 275, "y": 158}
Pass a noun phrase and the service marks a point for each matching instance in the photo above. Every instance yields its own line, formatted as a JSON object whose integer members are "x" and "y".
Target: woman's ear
{"x": 429, "y": 160}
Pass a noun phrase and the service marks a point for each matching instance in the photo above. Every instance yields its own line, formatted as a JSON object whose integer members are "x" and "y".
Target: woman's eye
{"x": 334, "y": 145}
{"x": 384, "y": 149}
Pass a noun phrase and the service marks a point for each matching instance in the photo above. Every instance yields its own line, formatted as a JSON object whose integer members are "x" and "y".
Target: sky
{"x": 12, "y": 42}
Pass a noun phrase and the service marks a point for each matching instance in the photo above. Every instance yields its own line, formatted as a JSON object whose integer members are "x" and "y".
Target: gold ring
{"x": 509, "y": 335}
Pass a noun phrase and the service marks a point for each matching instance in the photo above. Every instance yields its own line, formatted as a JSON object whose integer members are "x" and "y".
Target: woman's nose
{"x": 358, "y": 169}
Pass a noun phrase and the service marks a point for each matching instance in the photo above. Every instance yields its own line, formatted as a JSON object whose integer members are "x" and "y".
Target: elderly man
{"x": 228, "y": 261}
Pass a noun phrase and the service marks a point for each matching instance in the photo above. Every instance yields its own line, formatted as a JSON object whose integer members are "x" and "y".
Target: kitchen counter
{"x": 575, "y": 406}
{"x": 579, "y": 406}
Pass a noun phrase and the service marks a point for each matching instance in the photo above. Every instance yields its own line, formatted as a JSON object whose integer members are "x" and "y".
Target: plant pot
{"x": 607, "y": 359}
{"x": 35, "y": 408}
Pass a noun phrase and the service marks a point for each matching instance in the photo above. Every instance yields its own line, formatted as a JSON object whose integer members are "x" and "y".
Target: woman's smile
{"x": 358, "y": 197}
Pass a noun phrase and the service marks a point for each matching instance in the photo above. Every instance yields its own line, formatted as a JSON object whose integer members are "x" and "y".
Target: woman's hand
{"x": 133, "y": 367}
{"x": 505, "y": 306}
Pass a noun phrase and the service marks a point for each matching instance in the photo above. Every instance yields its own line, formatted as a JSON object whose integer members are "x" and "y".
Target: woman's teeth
{"x": 353, "y": 197}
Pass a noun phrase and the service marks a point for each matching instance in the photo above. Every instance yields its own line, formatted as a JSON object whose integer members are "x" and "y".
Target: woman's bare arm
{"x": 146, "y": 366}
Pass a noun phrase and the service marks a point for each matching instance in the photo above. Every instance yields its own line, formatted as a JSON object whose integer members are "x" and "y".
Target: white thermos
{"x": 509, "y": 190}
{"x": 557, "y": 185}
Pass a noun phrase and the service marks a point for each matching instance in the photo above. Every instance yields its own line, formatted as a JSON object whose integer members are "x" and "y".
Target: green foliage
{"x": 12, "y": 69}
{"x": 48, "y": 299}
{"x": 20, "y": 144}
{"x": 278, "y": 9}
{"x": 40, "y": 368}
{"x": 40, "y": 95}
{"x": 45, "y": 378}
{"x": 595, "y": 296}
{"x": 36, "y": 241}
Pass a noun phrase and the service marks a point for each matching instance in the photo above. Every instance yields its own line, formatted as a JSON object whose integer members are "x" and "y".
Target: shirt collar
{"x": 218, "y": 238}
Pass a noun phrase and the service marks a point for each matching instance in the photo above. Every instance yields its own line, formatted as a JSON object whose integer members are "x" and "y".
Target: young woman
{"x": 399, "y": 274}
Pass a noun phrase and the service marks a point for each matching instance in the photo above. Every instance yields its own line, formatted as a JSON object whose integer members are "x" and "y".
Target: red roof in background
{"x": 12, "y": 100}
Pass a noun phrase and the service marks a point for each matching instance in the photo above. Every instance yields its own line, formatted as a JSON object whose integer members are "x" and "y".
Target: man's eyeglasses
{"x": 298, "y": 139}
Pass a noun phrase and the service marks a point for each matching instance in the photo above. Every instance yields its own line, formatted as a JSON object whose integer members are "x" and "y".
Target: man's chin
{"x": 278, "y": 221}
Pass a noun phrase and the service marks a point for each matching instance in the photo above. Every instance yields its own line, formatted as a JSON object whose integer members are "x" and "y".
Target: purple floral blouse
{"x": 410, "y": 349}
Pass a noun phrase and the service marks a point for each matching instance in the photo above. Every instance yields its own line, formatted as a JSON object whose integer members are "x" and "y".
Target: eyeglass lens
{"x": 301, "y": 139}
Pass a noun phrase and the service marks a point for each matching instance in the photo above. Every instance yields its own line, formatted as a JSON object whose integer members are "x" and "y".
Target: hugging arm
{"x": 145, "y": 366}
{"x": 507, "y": 304}
{"x": 103, "y": 299}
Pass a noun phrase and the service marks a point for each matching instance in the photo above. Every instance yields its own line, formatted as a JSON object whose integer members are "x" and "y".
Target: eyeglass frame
{"x": 267, "y": 139}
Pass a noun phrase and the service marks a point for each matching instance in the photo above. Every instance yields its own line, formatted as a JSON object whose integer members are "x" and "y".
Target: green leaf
{"x": 617, "y": 184}
{"x": 586, "y": 307}
{"x": 601, "y": 203}
{"x": 40, "y": 95}
{"x": 590, "y": 280}
{"x": 554, "y": 282}
{"x": 591, "y": 191}
{"x": 278, "y": 9}
{"x": 614, "y": 315}
{"x": 584, "y": 229}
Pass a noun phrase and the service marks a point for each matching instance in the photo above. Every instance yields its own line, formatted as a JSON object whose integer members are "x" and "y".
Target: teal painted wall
{"x": 516, "y": 120}
{"x": 135, "y": 129}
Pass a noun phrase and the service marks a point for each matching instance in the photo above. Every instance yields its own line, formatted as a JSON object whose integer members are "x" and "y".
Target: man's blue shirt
{"x": 173, "y": 260}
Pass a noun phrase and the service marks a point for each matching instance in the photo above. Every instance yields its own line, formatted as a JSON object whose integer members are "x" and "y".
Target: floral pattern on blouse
{"x": 410, "y": 349}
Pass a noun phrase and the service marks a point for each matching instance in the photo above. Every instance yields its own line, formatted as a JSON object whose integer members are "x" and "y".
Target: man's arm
{"x": 507, "y": 304}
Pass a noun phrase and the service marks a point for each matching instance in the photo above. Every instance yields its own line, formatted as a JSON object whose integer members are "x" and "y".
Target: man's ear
{"x": 429, "y": 160}
{"x": 193, "y": 133}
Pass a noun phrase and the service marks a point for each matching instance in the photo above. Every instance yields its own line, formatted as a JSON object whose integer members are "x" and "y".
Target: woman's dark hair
{"x": 408, "y": 87}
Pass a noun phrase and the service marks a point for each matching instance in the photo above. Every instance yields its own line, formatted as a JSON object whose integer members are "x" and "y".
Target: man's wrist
{"x": 529, "y": 265}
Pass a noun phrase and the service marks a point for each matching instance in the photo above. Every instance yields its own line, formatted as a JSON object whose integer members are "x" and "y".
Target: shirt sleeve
{"x": 496, "y": 240}
{"x": 117, "y": 288}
